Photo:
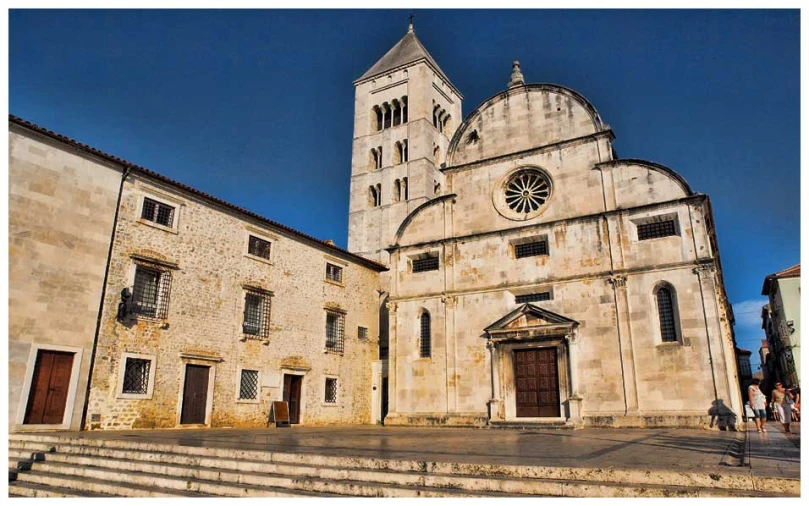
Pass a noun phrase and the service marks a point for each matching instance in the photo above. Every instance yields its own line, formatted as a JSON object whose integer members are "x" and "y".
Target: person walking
{"x": 782, "y": 404}
{"x": 758, "y": 403}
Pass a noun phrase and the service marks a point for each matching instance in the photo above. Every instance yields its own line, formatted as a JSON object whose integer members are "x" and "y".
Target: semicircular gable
{"x": 422, "y": 219}
{"x": 639, "y": 182}
{"x": 522, "y": 118}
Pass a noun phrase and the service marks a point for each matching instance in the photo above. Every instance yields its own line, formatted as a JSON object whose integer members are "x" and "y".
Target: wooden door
{"x": 195, "y": 394}
{"x": 48, "y": 396}
{"x": 292, "y": 396}
{"x": 537, "y": 383}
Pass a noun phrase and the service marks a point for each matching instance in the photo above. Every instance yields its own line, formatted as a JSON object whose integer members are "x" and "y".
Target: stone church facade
{"x": 534, "y": 277}
{"x": 503, "y": 269}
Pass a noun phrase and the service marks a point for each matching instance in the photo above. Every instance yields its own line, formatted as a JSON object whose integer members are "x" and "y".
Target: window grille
{"x": 334, "y": 273}
{"x": 362, "y": 333}
{"x": 425, "y": 335}
{"x": 256, "y": 315}
{"x": 136, "y": 376}
{"x": 334, "y": 332}
{"x": 532, "y": 297}
{"x": 531, "y": 249}
{"x": 331, "y": 391}
{"x": 665, "y": 309}
{"x": 656, "y": 229}
{"x": 248, "y": 387}
{"x": 150, "y": 295}
{"x": 425, "y": 264}
{"x": 258, "y": 247}
{"x": 157, "y": 212}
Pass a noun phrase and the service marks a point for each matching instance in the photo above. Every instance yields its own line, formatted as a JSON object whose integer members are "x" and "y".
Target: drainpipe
{"x": 126, "y": 173}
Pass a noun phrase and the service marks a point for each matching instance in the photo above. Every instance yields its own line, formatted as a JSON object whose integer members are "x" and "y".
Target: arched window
{"x": 666, "y": 311}
{"x": 397, "y": 190}
{"x": 374, "y": 159}
{"x": 373, "y": 197}
{"x": 425, "y": 341}
{"x": 378, "y": 194}
{"x": 404, "y": 187}
{"x": 397, "y": 113}
{"x": 436, "y": 187}
{"x": 377, "y": 117}
{"x": 404, "y": 150}
{"x": 397, "y": 153}
{"x": 387, "y": 115}
{"x": 436, "y": 154}
{"x": 404, "y": 109}
{"x": 379, "y": 157}
{"x": 447, "y": 125}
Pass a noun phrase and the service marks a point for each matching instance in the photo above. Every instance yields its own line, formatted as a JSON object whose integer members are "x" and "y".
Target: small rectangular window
{"x": 248, "y": 386}
{"x": 157, "y": 212}
{"x": 425, "y": 264}
{"x": 256, "y": 322}
{"x": 150, "y": 294}
{"x": 258, "y": 247}
{"x": 532, "y": 297}
{"x": 656, "y": 229}
{"x": 331, "y": 391}
{"x": 334, "y": 273}
{"x": 531, "y": 249}
{"x": 362, "y": 333}
{"x": 334, "y": 332}
{"x": 136, "y": 376}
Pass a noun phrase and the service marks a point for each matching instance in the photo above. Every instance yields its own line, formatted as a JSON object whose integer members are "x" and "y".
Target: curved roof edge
{"x": 596, "y": 117}
{"x": 656, "y": 166}
{"x": 400, "y": 231}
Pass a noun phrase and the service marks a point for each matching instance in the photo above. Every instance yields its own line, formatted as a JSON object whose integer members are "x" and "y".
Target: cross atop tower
{"x": 410, "y": 22}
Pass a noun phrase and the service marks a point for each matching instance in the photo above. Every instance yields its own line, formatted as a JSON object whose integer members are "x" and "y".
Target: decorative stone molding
{"x": 704, "y": 271}
{"x": 618, "y": 281}
{"x": 391, "y": 307}
{"x": 451, "y": 301}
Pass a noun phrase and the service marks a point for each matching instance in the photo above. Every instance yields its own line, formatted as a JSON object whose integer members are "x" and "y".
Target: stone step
{"x": 637, "y": 477}
{"x": 82, "y": 487}
{"x": 23, "y": 454}
{"x": 19, "y": 464}
{"x": 23, "y": 489}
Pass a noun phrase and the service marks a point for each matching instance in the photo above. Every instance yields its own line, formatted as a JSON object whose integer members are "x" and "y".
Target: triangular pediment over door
{"x": 529, "y": 323}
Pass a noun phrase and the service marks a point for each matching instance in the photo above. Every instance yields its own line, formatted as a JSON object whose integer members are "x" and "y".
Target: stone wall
{"x": 206, "y": 251}
{"x": 61, "y": 210}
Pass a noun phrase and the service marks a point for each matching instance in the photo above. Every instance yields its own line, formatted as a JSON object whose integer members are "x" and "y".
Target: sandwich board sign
{"x": 280, "y": 413}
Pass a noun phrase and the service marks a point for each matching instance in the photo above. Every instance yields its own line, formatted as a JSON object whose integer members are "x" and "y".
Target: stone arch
{"x": 425, "y": 334}
{"x": 667, "y": 314}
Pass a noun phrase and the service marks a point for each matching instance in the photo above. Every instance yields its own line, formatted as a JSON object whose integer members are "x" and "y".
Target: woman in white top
{"x": 758, "y": 403}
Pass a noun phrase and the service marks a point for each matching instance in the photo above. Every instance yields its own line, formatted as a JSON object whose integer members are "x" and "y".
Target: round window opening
{"x": 527, "y": 191}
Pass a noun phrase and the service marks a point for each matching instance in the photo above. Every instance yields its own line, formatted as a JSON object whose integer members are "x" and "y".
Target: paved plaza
{"x": 773, "y": 454}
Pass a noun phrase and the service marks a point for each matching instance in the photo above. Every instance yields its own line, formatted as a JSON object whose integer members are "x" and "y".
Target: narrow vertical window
{"x": 425, "y": 335}
{"x": 665, "y": 311}
{"x": 404, "y": 150}
{"x": 334, "y": 332}
{"x": 404, "y": 109}
{"x": 150, "y": 294}
{"x": 397, "y": 190}
{"x": 256, "y": 323}
{"x": 248, "y": 385}
{"x": 404, "y": 188}
{"x": 136, "y": 376}
{"x": 331, "y": 391}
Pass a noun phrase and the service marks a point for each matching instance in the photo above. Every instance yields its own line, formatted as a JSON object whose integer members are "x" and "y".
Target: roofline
{"x": 150, "y": 173}
{"x": 654, "y": 165}
{"x": 765, "y": 289}
{"x": 424, "y": 59}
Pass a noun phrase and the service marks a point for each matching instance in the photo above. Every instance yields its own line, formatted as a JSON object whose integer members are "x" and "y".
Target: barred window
{"x": 532, "y": 297}
{"x": 157, "y": 212}
{"x": 656, "y": 229}
{"x": 665, "y": 310}
{"x": 331, "y": 391}
{"x": 136, "y": 376}
{"x": 362, "y": 333}
{"x": 248, "y": 386}
{"x": 334, "y": 272}
{"x": 425, "y": 264}
{"x": 256, "y": 322}
{"x": 258, "y": 247}
{"x": 150, "y": 295}
{"x": 334, "y": 332}
{"x": 425, "y": 335}
{"x": 531, "y": 249}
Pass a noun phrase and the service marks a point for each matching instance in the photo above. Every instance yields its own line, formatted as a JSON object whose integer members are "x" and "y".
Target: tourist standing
{"x": 758, "y": 403}
{"x": 782, "y": 404}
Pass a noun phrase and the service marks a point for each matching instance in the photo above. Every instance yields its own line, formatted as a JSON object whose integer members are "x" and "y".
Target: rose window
{"x": 527, "y": 191}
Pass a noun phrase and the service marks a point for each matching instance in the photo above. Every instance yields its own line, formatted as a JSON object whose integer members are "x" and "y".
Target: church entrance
{"x": 536, "y": 379}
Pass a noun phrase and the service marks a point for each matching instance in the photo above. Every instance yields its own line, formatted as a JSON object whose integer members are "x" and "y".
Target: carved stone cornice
{"x": 618, "y": 281}
{"x": 391, "y": 307}
{"x": 704, "y": 271}
{"x": 450, "y": 300}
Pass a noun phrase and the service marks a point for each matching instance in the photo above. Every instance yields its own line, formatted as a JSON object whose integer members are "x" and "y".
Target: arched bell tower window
{"x": 397, "y": 113}
{"x": 425, "y": 342}
{"x": 667, "y": 313}
{"x": 404, "y": 109}
{"x": 377, "y": 116}
{"x": 397, "y": 190}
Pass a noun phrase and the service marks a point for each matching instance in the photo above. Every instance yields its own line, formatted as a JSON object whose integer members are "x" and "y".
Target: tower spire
{"x": 517, "y": 78}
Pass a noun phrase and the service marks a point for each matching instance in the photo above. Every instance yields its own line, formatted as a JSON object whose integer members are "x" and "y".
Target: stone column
{"x": 495, "y": 402}
{"x": 627, "y": 354}
{"x": 392, "y": 356}
{"x": 574, "y": 400}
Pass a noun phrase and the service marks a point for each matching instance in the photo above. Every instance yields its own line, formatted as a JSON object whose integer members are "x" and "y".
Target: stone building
{"x": 781, "y": 321}
{"x": 534, "y": 277}
{"x": 210, "y": 312}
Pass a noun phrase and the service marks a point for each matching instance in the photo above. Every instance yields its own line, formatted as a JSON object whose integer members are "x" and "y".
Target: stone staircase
{"x": 61, "y": 466}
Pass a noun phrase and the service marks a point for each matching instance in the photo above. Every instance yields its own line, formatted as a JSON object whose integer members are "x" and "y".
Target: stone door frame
{"x": 202, "y": 360}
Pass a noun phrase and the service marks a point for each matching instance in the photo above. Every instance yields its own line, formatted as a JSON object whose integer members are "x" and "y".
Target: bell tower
{"x": 405, "y": 112}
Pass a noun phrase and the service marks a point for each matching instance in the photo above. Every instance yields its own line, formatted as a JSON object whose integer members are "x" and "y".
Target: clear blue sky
{"x": 256, "y": 107}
